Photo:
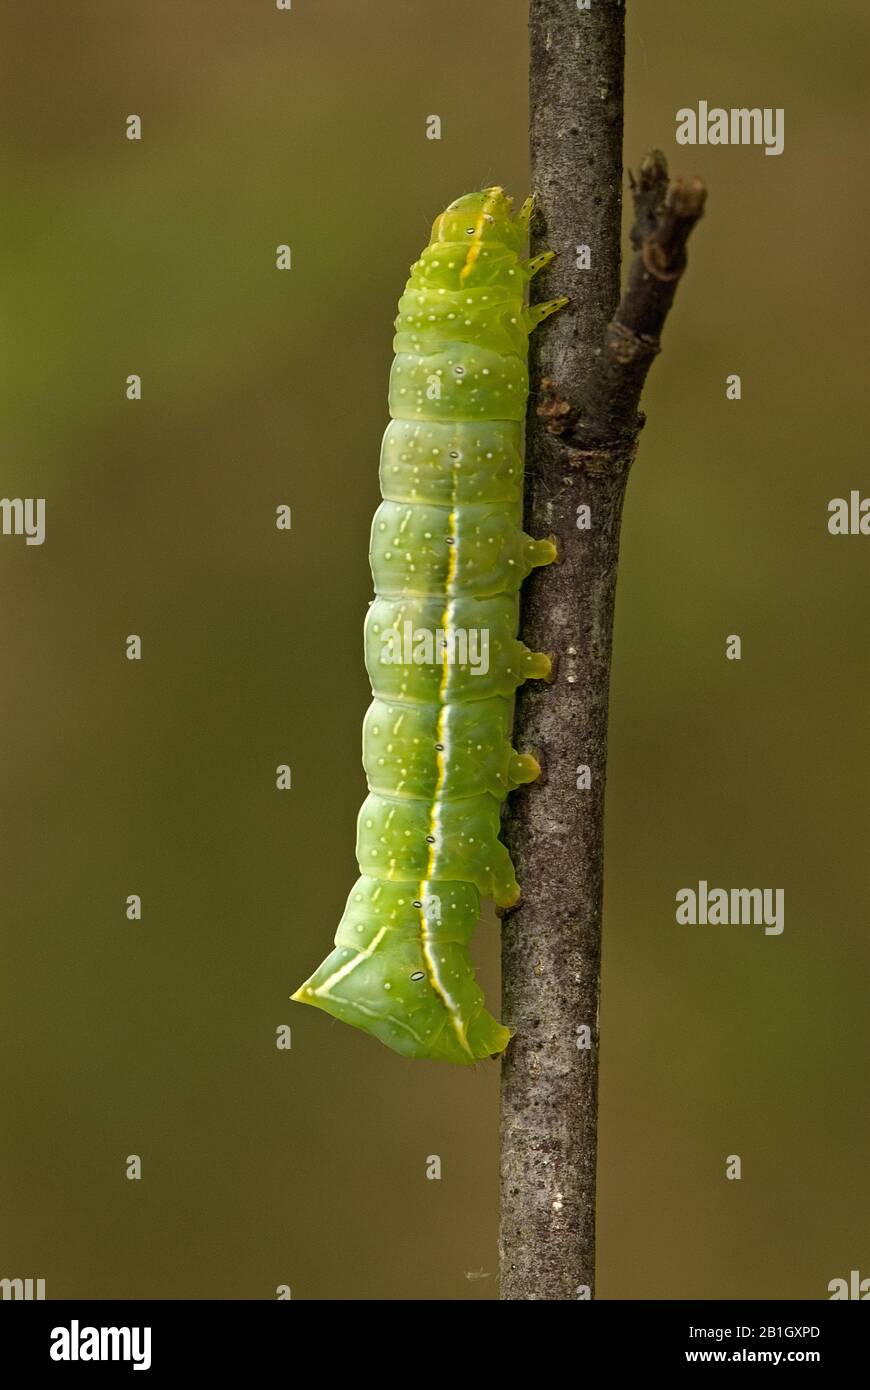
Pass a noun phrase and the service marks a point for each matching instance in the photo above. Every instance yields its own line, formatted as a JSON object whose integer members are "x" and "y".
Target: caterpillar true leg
{"x": 536, "y": 313}
{"x": 537, "y": 263}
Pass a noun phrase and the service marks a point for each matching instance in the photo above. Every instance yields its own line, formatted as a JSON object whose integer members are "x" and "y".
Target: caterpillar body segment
{"x": 401, "y": 971}
{"x": 448, "y": 555}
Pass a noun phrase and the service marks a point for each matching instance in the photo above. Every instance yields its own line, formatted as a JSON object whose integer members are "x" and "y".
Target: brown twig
{"x": 587, "y": 369}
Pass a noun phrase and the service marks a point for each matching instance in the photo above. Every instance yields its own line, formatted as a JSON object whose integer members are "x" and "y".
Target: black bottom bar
{"x": 156, "y": 1337}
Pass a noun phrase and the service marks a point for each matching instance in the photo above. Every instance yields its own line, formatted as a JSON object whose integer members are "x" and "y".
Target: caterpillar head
{"x": 486, "y": 215}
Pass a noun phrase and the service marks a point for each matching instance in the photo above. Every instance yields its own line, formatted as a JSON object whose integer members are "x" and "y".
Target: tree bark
{"x": 587, "y": 368}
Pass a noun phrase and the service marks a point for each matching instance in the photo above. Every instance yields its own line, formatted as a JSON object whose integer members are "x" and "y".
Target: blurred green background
{"x": 263, "y": 1167}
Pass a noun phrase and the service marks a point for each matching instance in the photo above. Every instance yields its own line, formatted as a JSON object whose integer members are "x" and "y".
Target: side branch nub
{"x": 607, "y": 420}
{"x": 664, "y": 215}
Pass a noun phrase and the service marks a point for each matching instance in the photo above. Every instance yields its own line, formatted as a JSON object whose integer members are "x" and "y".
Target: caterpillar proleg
{"x": 448, "y": 556}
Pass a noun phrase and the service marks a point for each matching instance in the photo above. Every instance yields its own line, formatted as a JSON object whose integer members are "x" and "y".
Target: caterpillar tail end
{"x": 478, "y": 1038}
{"x": 488, "y": 1038}
{"x": 401, "y": 972}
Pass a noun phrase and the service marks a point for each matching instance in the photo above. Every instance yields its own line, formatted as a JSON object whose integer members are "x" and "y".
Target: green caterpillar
{"x": 448, "y": 556}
